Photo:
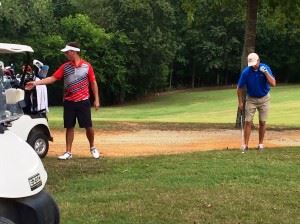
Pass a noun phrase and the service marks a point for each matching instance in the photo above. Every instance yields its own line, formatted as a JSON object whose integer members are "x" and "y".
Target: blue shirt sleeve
{"x": 242, "y": 80}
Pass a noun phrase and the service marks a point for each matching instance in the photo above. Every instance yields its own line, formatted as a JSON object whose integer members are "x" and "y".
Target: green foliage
{"x": 277, "y": 33}
{"x": 63, "y": 8}
{"x": 26, "y": 18}
{"x": 79, "y": 28}
{"x": 141, "y": 47}
{"x": 190, "y": 8}
{"x": 149, "y": 27}
{"x": 212, "y": 43}
{"x": 114, "y": 80}
{"x": 289, "y": 8}
{"x": 11, "y": 21}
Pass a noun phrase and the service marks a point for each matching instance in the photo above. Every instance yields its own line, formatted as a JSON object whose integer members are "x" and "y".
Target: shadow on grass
{"x": 164, "y": 126}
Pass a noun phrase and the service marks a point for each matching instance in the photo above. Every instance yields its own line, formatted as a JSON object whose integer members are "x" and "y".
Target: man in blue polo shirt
{"x": 257, "y": 78}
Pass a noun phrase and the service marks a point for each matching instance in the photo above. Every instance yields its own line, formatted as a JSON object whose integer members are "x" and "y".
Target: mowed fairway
{"x": 198, "y": 106}
{"x": 208, "y": 187}
{"x": 205, "y": 187}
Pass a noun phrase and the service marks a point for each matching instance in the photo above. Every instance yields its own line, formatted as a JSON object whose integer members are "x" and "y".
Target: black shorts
{"x": 80, "y": 110}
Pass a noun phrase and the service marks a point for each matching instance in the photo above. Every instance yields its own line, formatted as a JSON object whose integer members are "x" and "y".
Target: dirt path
{"x": 150, "y": 142}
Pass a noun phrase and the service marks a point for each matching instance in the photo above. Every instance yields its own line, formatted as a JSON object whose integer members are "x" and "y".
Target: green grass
{"x": 213, "y": 107}
{"x": 207, "y": 187}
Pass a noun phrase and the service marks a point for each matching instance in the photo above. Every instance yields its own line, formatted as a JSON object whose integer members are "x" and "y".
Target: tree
{"x": 212, "y": 41}
{"x": 249, "y": 47}
{"x": 278, "y": 30}
{"x": 25, "y": 19}
{"x": 250, "y": 30}
{"x": 149, "y": 26}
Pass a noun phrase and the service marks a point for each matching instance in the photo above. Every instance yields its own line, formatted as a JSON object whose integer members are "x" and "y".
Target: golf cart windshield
{"x": 10, "y": 103}
{"x": 10, "y": 52}
{"x": 17, "y": 69}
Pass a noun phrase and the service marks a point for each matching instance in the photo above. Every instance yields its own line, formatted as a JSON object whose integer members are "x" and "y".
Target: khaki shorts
{"x": 261, "y": 104}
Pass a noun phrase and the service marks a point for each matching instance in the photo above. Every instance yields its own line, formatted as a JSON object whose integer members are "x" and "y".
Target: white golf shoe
{"x": 260, "y": 147}
{"x": 95, "y": 153}
{"x": 244, "y": 148}
{"x": 65, "y": 156}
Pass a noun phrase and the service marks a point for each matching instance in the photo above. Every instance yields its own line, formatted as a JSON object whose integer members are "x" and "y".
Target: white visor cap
{"x": 70, "y": 48}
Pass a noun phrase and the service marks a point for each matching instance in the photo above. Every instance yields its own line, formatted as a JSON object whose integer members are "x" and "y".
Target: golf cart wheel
{"x": 39, "y": 142}
{"x": 5, "y": 221}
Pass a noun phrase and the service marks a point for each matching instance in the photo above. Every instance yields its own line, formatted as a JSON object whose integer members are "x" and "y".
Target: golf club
{"x": 242, "y": 129}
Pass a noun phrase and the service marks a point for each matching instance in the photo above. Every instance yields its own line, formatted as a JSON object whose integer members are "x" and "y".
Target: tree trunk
{"x": 250, "y": 31}
{"x": 249, "y": 43}
{"x": 171, "y": 77}
{"x": 193, "y": 74}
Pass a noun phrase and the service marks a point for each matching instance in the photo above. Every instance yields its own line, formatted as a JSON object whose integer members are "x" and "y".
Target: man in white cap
{"x": 78, "y": 75}
{"x": 257, "y": 78}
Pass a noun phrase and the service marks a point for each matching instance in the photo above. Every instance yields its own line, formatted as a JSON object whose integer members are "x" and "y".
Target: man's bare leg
{"x": 69, "y": 139}
{"x": 90, "y": 136}
{"x": 247, "y": 132}
{"x": 262, "y": 131}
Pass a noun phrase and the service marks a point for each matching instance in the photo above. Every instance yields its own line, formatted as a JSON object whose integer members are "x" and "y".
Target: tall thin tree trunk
{"x": 171, "y": 77}
{"x": 250, "y": 31}
{"x": 249, "y": 43}
{"x": 193, "y": 74}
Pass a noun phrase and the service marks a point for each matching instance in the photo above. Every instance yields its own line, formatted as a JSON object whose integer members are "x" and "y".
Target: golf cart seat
{"x": 14, "y": 100}
{"x": 14, "y": 96}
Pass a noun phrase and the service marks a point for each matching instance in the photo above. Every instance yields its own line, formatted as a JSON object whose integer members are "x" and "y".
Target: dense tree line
{"x": 139, "y": 47}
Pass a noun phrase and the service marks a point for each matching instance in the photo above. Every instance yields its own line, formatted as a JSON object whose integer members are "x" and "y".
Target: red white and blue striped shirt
{"x": 76, "y": 80}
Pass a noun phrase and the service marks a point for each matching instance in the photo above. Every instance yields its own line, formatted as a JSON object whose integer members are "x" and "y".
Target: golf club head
{"x": 242, "y": 119}
{"x": 242, "y": 127}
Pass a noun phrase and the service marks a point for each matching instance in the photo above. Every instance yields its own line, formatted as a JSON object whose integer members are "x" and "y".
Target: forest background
{"x": 141, "y": 47}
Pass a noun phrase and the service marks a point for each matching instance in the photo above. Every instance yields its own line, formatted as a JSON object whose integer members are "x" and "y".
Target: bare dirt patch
{"x": 142, "y": 142}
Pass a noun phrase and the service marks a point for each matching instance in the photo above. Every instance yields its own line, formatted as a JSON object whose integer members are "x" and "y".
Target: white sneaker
{"x": 260, "y": 147}
{"x": 65, "y": 156}
{"x": 244, "y": 148}
{"x": 95, "y": 153}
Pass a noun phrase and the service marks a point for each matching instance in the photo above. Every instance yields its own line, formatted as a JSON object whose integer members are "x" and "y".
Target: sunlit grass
{"x": 205, "y": 187}
{"x": 196, "y": 106}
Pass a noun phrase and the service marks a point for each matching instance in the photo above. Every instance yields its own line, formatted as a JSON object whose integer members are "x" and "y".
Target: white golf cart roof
{"x": 14, "y": 48}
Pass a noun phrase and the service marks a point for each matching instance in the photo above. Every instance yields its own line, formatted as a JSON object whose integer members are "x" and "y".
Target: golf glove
{"x": 263, "y": 69}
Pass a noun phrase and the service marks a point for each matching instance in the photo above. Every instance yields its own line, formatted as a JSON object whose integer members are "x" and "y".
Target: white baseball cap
{"x": 252, "y": 59}
{"x": 70, "y": 48}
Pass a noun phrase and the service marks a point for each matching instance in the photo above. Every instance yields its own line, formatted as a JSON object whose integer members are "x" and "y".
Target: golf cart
{"x": 32, "y": 126}
{"x": 23, "y": 177}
